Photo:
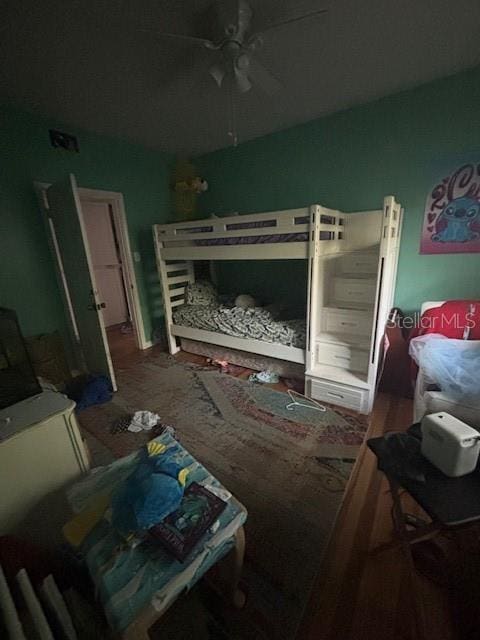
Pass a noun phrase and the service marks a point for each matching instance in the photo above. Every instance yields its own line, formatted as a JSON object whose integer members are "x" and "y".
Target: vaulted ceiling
{"x": 99, "y": 64}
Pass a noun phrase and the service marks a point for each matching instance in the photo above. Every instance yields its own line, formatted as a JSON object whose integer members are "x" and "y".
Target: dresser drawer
{"x": 354, "y": 263}
{"x": 354, "y": 290}
{"x": 347, "y": 321}
{"x": 338, "y": 394}
{"x": 343, "y": 356}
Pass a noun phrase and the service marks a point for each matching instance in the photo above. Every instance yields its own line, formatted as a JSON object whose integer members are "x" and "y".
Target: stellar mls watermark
{"x": 436, "y": 323}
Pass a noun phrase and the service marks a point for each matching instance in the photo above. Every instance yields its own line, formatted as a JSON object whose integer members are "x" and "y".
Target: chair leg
{"x": 399, "y": 523}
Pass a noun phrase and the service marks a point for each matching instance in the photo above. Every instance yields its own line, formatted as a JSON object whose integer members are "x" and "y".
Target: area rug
{"x": 289, "y": 468}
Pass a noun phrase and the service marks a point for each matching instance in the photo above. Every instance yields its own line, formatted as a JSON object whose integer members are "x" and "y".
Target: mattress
{"x": 261, "y": 239}
{"x": 268, "y": 239}
{"x": 256, "y": 323}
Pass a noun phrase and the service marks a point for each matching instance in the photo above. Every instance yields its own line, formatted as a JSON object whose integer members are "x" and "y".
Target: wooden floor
{"x": 363, "y": 596}
{"x": 122, "y": 345}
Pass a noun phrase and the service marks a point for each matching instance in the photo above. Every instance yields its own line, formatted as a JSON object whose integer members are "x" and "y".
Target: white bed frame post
{"x": 313, "y": 282}
{"x": 172, "y": 276}
{"x": 387, "y": 269}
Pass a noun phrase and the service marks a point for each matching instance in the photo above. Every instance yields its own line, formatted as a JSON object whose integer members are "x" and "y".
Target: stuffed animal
{"x": 245, "y": 301}
{"x": 151, "y": 492}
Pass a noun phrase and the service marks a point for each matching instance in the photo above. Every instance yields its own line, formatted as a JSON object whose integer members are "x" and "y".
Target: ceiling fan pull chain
{"x": 233, "y": 119}
{"x": 232, "y": 133}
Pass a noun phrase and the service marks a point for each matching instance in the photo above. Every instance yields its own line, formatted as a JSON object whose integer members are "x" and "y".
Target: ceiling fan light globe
{"x": 242, "y": 81}
{"x": 217, "y": 73}
{"x": 243, "y": 62}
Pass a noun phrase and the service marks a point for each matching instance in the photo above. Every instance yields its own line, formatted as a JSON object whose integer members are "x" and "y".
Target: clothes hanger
{"x": 295, "y": 403}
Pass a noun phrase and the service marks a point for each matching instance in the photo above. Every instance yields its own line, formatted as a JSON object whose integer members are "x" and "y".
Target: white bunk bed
{"x": 352, "y": 262}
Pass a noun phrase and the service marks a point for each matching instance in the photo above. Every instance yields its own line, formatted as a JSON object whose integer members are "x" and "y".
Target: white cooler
{"x": 450, "y": 444}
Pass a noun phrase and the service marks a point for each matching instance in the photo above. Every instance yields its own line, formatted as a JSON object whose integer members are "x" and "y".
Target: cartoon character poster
{"x": 452, "y": 213}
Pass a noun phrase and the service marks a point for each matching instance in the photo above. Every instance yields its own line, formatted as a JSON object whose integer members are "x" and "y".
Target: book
{"x": 183, "y": 529}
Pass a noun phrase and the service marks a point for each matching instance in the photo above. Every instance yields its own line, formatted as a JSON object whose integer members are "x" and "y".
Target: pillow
{"x": 200, "y": 293}
{"x": 450, "y": 320}
{"x": 245, "y": 301}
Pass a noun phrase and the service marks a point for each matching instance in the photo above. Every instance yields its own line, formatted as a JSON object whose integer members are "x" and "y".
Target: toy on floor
{"x": 223, "y": 364}
{"x": 264, "y": 377}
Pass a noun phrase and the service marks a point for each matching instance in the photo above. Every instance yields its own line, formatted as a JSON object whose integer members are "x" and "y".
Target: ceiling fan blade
{"x": 245, "y": 14}
{"x": 189, "y": 78}
{"x": 181, "y": 37}
{"x": 242, "y": 81}
{"x": 263, "y": 77}
{"x": 286, "y": 21}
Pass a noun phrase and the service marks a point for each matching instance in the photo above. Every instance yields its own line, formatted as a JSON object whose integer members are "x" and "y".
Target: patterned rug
{"x": 289, "y": 468}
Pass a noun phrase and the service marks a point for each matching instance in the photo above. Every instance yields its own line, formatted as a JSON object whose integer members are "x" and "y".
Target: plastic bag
{"x": 454, "y": 365}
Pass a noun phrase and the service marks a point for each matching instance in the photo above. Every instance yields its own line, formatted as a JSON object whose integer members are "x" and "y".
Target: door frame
{"x": 116, "y": 201}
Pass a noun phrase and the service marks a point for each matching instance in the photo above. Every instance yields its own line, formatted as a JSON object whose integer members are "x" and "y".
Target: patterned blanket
{"x": 256, "y": 323}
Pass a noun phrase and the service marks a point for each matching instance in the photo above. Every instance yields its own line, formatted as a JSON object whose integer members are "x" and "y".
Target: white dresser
{"x": 41, "y": 451}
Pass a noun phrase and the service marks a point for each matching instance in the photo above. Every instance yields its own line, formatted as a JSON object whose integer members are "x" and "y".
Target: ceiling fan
{"x": 237, "y": 44}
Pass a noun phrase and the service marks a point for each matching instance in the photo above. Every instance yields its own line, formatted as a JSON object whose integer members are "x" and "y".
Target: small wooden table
{"x": 137, "y": 583}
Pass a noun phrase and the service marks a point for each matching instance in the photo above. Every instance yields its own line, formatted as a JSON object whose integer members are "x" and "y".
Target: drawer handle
{"x": 348, "y": 324}
{"x": 334, "y": 395}
{"x": 342, "y": 357}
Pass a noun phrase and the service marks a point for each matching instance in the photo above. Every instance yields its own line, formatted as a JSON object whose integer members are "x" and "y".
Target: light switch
{"x": 136, "y": 256}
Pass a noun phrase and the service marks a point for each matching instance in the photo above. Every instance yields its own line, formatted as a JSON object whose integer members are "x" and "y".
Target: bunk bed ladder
{"x": 174, "y": 276}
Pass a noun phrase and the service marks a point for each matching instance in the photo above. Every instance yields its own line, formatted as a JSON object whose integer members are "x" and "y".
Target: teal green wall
{"x": 399, "y": 145}
{"x": 27, "y": 279}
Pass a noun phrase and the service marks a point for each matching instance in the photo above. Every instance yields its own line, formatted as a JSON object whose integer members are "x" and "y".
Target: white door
{"x": 73, "y": 260}
{"x": 106, "y": 262}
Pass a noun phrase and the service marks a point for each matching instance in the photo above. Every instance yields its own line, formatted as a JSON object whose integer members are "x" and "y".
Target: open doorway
{"x": 103, "y": 226}
{"x": 89, "y": 240}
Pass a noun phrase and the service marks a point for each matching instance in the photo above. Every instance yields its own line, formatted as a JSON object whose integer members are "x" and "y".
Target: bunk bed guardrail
{"x": 289, "y": 226}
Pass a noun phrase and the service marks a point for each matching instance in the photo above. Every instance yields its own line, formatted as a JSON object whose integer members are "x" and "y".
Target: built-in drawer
{"x": 359, "y": 263}
{"x": 351, "y": 321}
{"x": 354, "y": 290}
{"x": 338, "y": 394}
{"x": 343, "y": 356}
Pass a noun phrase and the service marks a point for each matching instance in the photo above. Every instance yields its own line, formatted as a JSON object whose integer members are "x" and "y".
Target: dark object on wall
{"x": 48, "y": 358}
{"x": 17, "y": 377}
{"x": 396, "y": 370}
{"x": 60, "y": 140}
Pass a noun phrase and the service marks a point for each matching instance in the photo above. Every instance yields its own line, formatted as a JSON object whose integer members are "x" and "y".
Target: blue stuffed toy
{"x": 149, "y": 494}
